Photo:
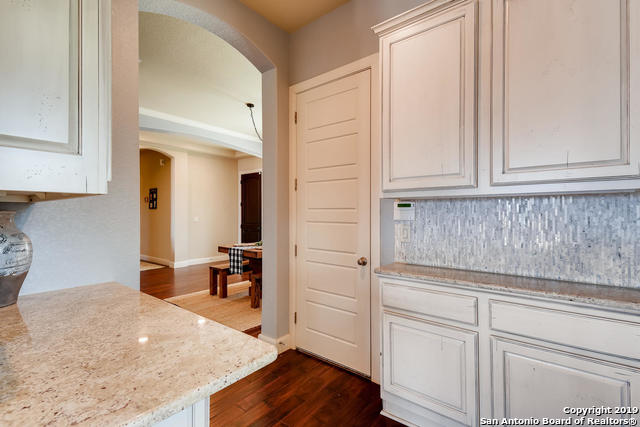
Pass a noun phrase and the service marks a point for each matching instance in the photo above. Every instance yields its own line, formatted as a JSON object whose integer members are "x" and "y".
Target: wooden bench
{"x": 223, "y": 271}
{"x": 256, "y": 290}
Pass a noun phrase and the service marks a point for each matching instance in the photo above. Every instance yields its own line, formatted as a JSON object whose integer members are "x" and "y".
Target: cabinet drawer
{"x": 444, "y": 305}
{"x": 604, "y": 335}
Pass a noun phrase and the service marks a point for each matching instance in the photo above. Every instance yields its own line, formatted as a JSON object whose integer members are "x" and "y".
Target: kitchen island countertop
{"x": 110, "y": 355}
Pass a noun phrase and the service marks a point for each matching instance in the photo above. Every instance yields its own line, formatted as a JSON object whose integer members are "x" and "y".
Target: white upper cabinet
{"x": 565, "y": 90}
{"x": 429, "y": 98}
{"x": 510, "y": 97}
{"x": 55, "y": 97}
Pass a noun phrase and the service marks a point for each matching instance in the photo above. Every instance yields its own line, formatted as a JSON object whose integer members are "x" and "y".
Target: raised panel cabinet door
{"x": 429, "y": 101}
{"x": 565, "y": 101}
{"x": 431, "y": 365}
{"x": 55, "y": 96}
{"x": 532, "y": 381}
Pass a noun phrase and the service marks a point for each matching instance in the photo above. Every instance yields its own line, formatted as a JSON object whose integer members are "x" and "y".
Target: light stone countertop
{"x": 613, "y": 297}
{"x": 109, "y": 355}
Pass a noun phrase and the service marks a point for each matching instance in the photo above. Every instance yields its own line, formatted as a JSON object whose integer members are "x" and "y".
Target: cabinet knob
{"x": 362, "y": 261}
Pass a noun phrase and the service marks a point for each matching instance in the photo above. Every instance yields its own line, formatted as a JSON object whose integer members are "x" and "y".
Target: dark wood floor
{"x": 298, "y": 390}
{"x": 295, "y": 390}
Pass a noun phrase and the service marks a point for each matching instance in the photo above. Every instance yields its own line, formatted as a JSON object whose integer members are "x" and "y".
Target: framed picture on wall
{"x": 153, "y": 198}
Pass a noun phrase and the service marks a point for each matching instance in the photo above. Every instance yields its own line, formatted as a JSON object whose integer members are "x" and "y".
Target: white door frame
{"x": 370, "y": 62}
{"x": 240, "y": 173}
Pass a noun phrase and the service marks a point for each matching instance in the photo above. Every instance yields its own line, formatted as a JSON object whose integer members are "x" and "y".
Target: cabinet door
{"x": 565, "y": 101}
{"x": 55, "y": 96}
{"x": 429, "y": 102}
{"x": 532, "y": 381}
{"x": 432, "y": 366}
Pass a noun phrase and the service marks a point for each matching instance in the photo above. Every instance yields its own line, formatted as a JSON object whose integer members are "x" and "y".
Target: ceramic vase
{"x": 15, "y": 258}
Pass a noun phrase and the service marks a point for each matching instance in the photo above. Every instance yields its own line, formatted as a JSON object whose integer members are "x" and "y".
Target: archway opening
{"x": 195, "y": 109}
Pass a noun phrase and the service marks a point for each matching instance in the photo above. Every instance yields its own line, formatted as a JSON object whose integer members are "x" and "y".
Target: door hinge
{"x": 295, "y": 318}
{"x": 295, "y": 117}
{"x": 295, "y": 250}
{"x": 295, "y": 184}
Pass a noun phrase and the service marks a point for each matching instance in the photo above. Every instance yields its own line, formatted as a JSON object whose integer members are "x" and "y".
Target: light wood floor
{"x": 144, "y": 266}
{"x": 234, "y": 311}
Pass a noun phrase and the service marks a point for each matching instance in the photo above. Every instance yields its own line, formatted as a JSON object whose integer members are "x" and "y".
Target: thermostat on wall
{"x": 404, "y": 211}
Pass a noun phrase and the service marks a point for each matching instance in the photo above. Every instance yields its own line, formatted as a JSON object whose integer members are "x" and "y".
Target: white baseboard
{"x": 196, "y": 261}
{"x": 185, "y": 263}
{"x": 282, "y": 344}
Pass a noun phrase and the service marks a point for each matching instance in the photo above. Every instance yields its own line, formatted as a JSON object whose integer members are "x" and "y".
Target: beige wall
{"x": 340, "y": 37}
{"x": 155, "y": 224}
{"x": 213, "y": 196}
{"x": 249, "y": 164}
{"x": 204, "y": 191}
{"x": 96, "y": 239}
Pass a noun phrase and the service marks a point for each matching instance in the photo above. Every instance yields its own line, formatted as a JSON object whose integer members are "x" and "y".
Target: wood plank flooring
{"x": 295, "y": 390}
{"x": 299, "y": 390}
{"x": 168, "y": 282}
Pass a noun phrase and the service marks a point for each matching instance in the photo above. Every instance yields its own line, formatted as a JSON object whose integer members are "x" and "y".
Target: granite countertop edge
{"x": 605, "y": 296}
{"x": 111, "y": 318}
{"x": 163, "y": 412}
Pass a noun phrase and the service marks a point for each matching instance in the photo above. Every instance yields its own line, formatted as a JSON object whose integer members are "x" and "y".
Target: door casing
{"x": 368, "y": 63}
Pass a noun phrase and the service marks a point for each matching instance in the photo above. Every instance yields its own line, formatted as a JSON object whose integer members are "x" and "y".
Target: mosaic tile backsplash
{"x": 590, "y": 239}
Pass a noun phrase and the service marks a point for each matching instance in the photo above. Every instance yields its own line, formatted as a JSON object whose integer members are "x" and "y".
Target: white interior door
{"x": 333, "y": 221}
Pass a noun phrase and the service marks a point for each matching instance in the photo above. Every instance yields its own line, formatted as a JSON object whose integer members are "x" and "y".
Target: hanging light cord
{"x": 250, "y": 105}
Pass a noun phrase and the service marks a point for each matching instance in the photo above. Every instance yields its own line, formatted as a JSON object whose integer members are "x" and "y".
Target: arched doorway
{"x": 232, "y": 22}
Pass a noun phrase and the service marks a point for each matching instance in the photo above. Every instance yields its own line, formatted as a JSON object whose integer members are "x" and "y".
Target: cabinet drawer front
{"x": 432, "y": 366}
{"x": 532, "y": 381}
{"x": 578, "y": 330}
{"x": 444, "y": 305}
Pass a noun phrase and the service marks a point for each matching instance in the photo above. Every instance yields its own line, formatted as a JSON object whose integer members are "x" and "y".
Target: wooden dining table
{"x": 254, "y": 256}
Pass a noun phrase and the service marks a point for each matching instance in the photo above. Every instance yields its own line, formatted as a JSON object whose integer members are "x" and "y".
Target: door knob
{"x": 362, "y": 261}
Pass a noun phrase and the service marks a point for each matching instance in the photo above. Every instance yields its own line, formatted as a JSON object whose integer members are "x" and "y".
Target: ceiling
{"x": 290, "y": 15}
{"x": 189, "y": 75}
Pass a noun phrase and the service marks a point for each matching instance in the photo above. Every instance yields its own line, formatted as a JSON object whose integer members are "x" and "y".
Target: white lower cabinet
{"x": 460, "y": 356}
{"x": 432, "y": 366}
{"x": 196, "y": 415}
{"x": 533, "y": 381}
